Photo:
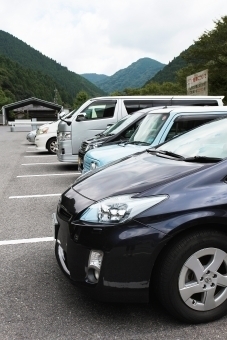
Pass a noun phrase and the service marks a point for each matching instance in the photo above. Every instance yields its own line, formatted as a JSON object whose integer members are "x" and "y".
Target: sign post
{"x": 197, "y": 84}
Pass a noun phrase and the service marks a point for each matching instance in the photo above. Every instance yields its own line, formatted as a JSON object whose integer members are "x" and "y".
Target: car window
{"x": 129, "y": 132}
{"x": 113, "y": 129}
{"x": 135, "y": 105}
{"x": 149, "y": 128}
{"x": 185, "y": 123}
{"x": 100, "y": 110}
{"x": 195, "y": 102}
{"x": 209, "y": 140}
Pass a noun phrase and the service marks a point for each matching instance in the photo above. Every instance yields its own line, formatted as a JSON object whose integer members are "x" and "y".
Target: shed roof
{"x": 32, "y": 100}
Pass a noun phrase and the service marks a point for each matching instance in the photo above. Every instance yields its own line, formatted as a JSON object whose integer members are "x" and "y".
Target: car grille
{"x": 84, "y": 146}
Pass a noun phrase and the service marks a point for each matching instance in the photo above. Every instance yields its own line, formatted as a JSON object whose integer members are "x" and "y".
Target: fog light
{"x": 93, "y": 166}
{"x": 96, "y": 273}
{"x": 94, "y": 265}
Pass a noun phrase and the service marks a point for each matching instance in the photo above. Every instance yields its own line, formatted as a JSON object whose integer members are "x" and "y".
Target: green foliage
{"x": 32, "y": 64}
{"x": 18, "y": 83}
{"x": 208, "y": 52}
{"x": 152, "y": 88}
{"x": 169, "y": 72}
{"x": 133, "y": 76}
{"x": 81, "y": 98}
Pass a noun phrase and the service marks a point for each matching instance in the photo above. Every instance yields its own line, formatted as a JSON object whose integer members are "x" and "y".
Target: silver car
{"x": 31, "y": 136}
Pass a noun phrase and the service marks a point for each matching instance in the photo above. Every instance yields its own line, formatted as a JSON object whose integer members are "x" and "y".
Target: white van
{"x": 46, "y": 135}
{"x": 97, "y": 114}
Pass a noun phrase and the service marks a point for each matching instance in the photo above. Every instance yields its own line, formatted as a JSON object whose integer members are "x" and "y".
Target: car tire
{"x": 61, "y": 259}
{"x": 191, "y": 279}
{"x": 52, "y": 145}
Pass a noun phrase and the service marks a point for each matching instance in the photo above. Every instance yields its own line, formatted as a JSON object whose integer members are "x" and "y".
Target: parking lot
{"x": 37, "y": 301}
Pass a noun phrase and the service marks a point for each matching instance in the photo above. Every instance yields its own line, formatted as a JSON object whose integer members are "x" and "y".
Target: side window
{"x": 135, "y": 105}
{"x": 99, "y": 110}
{"x": 183, "y": 125}
{"x": 132, "y": 106}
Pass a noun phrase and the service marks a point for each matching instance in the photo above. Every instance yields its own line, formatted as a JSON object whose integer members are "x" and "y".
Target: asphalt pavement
{"x": 36, "y": 300}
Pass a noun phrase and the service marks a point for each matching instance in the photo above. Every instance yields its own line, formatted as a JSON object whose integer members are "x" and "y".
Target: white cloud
{"x": 102, "y": 37}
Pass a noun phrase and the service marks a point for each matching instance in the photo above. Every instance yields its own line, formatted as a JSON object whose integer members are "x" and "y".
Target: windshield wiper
{"x": 138, "y": 142}
{"x": 203, "y": 159}
{"x": 169, "y": 153}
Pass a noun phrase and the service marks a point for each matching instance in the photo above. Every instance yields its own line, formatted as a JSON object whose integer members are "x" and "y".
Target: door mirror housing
{"x": 80, "y": 118}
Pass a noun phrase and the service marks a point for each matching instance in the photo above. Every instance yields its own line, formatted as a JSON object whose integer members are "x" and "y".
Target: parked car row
{"x": 147, "y": 217}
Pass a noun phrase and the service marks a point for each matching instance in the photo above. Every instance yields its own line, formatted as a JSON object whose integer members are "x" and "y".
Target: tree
{"x": 81, "y": 98}
{"x": 209, "y": 52}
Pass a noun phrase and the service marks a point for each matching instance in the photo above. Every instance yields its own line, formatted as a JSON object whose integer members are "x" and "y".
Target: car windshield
{"x": 115, "y": 128}
{"x": 70, "y": 114}
{"x": 208, "y": 140}
{"x": 149, "y": 128}
{"x": 123, "y": 123}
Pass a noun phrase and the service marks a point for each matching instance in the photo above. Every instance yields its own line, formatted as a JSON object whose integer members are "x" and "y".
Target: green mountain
{"x": 133, "y": 76}
{"x": 168, "y": 73}
{"x": 94, "y": 77}
{"x": 68, "y": 83}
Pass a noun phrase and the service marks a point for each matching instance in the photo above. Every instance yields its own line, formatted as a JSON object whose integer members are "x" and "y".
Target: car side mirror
{"x": 80, "y": 118}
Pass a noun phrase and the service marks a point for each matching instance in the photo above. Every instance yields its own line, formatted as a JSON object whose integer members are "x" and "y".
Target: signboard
{"x": 197, "y": 84}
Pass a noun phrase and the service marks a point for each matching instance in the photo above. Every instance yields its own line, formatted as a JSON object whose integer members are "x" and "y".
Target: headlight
{"x": 95, "y": 145}
{"x": 118, "y": 209}
{"x": 64, "y": 135}
{"x": 43, "y": 130}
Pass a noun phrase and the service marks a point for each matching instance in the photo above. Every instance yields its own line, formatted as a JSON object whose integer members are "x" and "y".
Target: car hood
{"x": 111, "y": 153}
{"x": 98, "y": 139}
{"x": 135, "y": 174}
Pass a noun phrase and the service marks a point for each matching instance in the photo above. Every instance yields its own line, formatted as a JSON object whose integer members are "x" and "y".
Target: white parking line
{"x": 40, "y": 163}
{"x": 27, "y": 240}
{"x": 41, "y": 155}
{"x": 30, "y": 151}
{"x": 29, "y": 196}
{"x": 64, "y": 174}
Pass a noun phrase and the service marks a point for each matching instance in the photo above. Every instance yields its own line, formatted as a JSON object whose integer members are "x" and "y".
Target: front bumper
{"x": 40, "y": 142}
{"x": 127, "y": 263}
{"x": 64, "y": 151}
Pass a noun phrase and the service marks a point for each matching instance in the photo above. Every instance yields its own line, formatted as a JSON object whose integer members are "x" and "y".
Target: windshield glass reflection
{"x": 209, "y": 140}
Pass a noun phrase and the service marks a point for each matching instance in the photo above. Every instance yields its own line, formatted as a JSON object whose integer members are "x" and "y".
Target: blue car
{"x": 157, "y": 127}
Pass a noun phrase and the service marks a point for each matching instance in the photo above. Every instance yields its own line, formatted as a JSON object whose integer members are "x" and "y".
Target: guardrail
{"x": 25, "y": 123}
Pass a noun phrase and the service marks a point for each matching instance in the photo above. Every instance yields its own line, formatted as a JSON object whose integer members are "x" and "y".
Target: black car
{"x": 153, "y": 223}
{"x": 119, "y": 132}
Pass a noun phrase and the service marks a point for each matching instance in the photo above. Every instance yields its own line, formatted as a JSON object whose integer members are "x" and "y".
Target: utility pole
{"x": 55, "y": 96}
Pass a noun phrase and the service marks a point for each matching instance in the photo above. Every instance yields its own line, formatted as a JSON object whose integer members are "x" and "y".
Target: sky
{"x": 103, "y": 36}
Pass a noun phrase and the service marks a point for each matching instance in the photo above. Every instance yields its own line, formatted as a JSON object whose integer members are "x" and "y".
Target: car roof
{"x": 189, "y": 109}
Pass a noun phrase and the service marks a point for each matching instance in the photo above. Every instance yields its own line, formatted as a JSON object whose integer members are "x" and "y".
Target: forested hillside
{"x": 133, "y": 76}
{"x": 18, "y": 83}
{"x": 68, "y": 83}
{"x": 94, "y": 77}
{"x": 169, "y": 72}
{"x": 208, "y": 52}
